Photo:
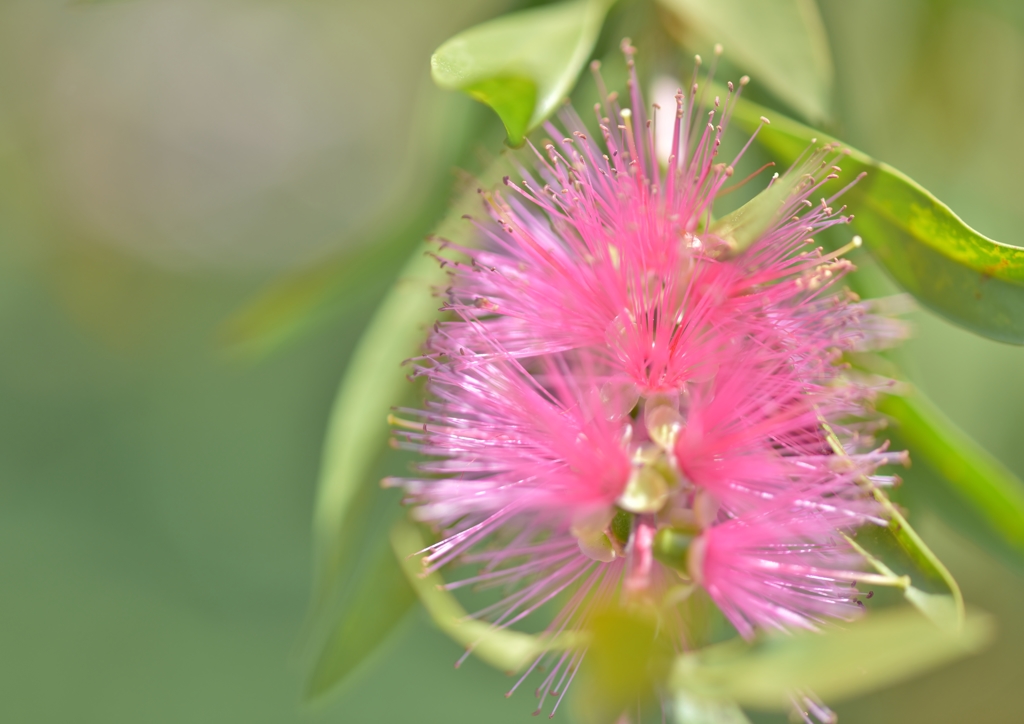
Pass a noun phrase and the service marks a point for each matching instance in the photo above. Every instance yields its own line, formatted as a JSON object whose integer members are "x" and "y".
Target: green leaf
{"x": 782, "y": 43}
{"x": 969, "y": 279}
{"x": 747, "y": 224}
{"x": 503, "y": 649}
{"x": 886, "y": 647}
{"x": 942, "y": 609}
{"x": 380, "y": 598}
{"x": 922, "y": 556}
{"x": 939, "y": 608}
{"x": 374, "y": 382}
{"x": 910, "y": 542}
{"x": 522, "y": 64}
{"x": 298, "y": 302}
{"x": 984, "y": 483}
{"x": 690, "y": 709}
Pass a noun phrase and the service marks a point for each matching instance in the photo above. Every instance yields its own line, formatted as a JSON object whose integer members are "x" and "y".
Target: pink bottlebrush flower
{"x": 511, "y": 440}
{"x": 752, "y": 435}
{"x": 783, "y": 568}
{"x": 600, "y": 251}
{"x": 631, "y": 397}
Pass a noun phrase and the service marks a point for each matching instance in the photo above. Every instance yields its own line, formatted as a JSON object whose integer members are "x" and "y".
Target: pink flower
{"x": 783, "y": 568}
{"x": 513, "y": 441}
{"x": 752, "y": 434}
{"x": 632, "y": 396}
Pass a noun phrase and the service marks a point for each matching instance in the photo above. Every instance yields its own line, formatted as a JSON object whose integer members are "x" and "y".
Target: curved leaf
{"x": 912, "y": 545}
{"x": 781, "y": 42}
{"x": 887, "y": 647}
{"x": 501, "y": 648}
{"x": 923, "y": 557}
{"x": 943, "y": 609}
{"x": 984, "y": 483}
{"x": 380, "y": 598}
{"x": 928, "y": 230}
{"x": 522, "y": 64}
{"x": 374, "y": 382}
{"x": 968, "y": 278}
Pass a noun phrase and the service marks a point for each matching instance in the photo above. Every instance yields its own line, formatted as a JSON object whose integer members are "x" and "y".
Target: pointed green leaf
{"x": 909, "y": 541}
{"x": 747, "y": 224}
{"x": 380, "y": 596}
{"x": 782, "y": 43}
{"x": 501, "y": 648}
{"x": 942, "y": 609}
{"x": 971, "y": 280}
{"x": 984, "y": 483}
{"x": 886, "y": 647}
{"x": 922, "y": 556}
{"x": 374, "y": 382}
{"x": 522, "y": 64}
{"x": 939, "y": 608}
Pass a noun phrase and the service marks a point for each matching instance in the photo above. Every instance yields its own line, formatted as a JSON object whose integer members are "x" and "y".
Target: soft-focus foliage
{"x": 507, "y": 651}
{"x": 160, "y": 161}
{"x": 782, "y": 43}
{"x": 884, "y": 648}
{"x": 375, "y": 380}
{"x": 995, "y": 493}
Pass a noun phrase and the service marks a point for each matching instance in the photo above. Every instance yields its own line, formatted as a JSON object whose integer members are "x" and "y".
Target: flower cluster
{"x": 630, "y": 398}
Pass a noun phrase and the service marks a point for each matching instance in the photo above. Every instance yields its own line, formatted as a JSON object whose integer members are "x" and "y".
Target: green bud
{"x": 671, "y": 546}
{"x": 622, "y": 526}
{"x": 646, "y": 492}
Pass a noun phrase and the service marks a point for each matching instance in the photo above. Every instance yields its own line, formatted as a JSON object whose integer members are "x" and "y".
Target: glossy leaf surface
{"x": 522, "y": 64}
{"x": 781, "y": 43}
{"x": 968, "y": 278}
{"x": 886, "y": 647}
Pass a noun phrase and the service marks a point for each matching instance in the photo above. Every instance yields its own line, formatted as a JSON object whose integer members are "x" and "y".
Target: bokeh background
{"x": 163, "y": 161}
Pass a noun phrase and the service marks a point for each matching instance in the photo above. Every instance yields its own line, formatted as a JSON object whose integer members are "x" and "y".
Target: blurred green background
{"x": 163, "y": 161}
